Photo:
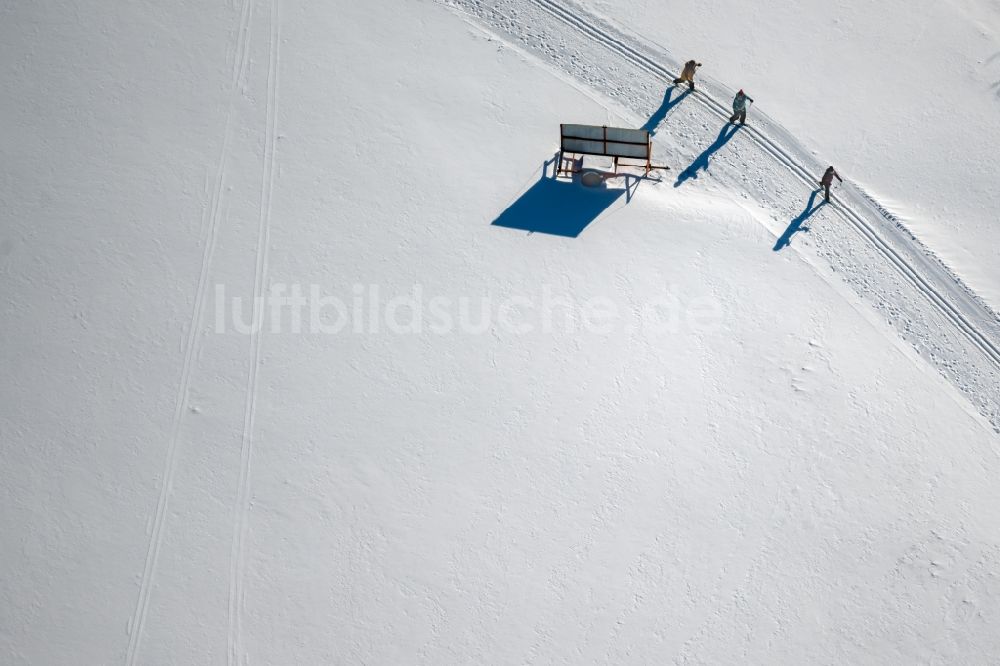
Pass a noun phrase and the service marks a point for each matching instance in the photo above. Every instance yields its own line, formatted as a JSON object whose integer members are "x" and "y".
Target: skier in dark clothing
{"x": 688, "y": 74}
{"x": 740, "y": 107}
{"x": 827, "y": 181}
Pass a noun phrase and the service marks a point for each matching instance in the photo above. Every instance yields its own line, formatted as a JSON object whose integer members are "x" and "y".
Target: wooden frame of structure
{"x": 600, "y": 140}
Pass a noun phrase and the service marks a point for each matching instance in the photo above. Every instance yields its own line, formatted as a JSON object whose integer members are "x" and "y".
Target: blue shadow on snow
{"x": 665, "y": 107}
{"x": 557, "y": 207}
{"x": 700, "y": 163}
{"x": 795, "y": 225}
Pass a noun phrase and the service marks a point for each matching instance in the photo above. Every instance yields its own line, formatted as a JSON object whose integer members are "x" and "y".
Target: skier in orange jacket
{"x": 688, "y": 74}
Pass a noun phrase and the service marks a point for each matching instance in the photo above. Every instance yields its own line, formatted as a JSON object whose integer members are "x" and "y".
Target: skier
{"x": 827, "y": 181}
{"x": 740, "y": 107}
{"x": 688, "y": 74}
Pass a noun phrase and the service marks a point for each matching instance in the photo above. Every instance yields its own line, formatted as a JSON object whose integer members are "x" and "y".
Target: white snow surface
{"x": 903, "y": 97}
{"x": 799, "y": 467}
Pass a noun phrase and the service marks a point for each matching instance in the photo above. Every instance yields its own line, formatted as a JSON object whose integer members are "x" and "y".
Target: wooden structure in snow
{"x": 617, "y": 143}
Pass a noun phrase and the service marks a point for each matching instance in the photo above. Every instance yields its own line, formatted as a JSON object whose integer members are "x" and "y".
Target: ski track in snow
{"x": 871, "y": 250}
{"x": 213, "y": 213}
{"x": 237, "y": 591}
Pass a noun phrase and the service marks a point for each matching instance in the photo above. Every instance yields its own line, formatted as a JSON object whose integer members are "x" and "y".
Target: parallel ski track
{"x": 214, "y": 214}
{"x": 237, "y": 592}
{"x": 982, "y": 342}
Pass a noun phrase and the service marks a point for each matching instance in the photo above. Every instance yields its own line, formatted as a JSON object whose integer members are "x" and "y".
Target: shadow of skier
{"x": 665, "y": 107}
{"x": 701, "y": 162}
{"x": 795, "y": 225}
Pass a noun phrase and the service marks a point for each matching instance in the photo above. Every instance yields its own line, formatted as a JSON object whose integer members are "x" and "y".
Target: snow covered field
{"x": 903, "y": 98}
{"x": 518, "y": 421}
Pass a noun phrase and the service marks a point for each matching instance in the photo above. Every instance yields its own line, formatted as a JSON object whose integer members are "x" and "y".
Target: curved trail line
{"x": 213, "y": 214}
{"x": 237, "y": 591}
{"x": 990, "y": 349}
{"x": 882, "y": 261}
